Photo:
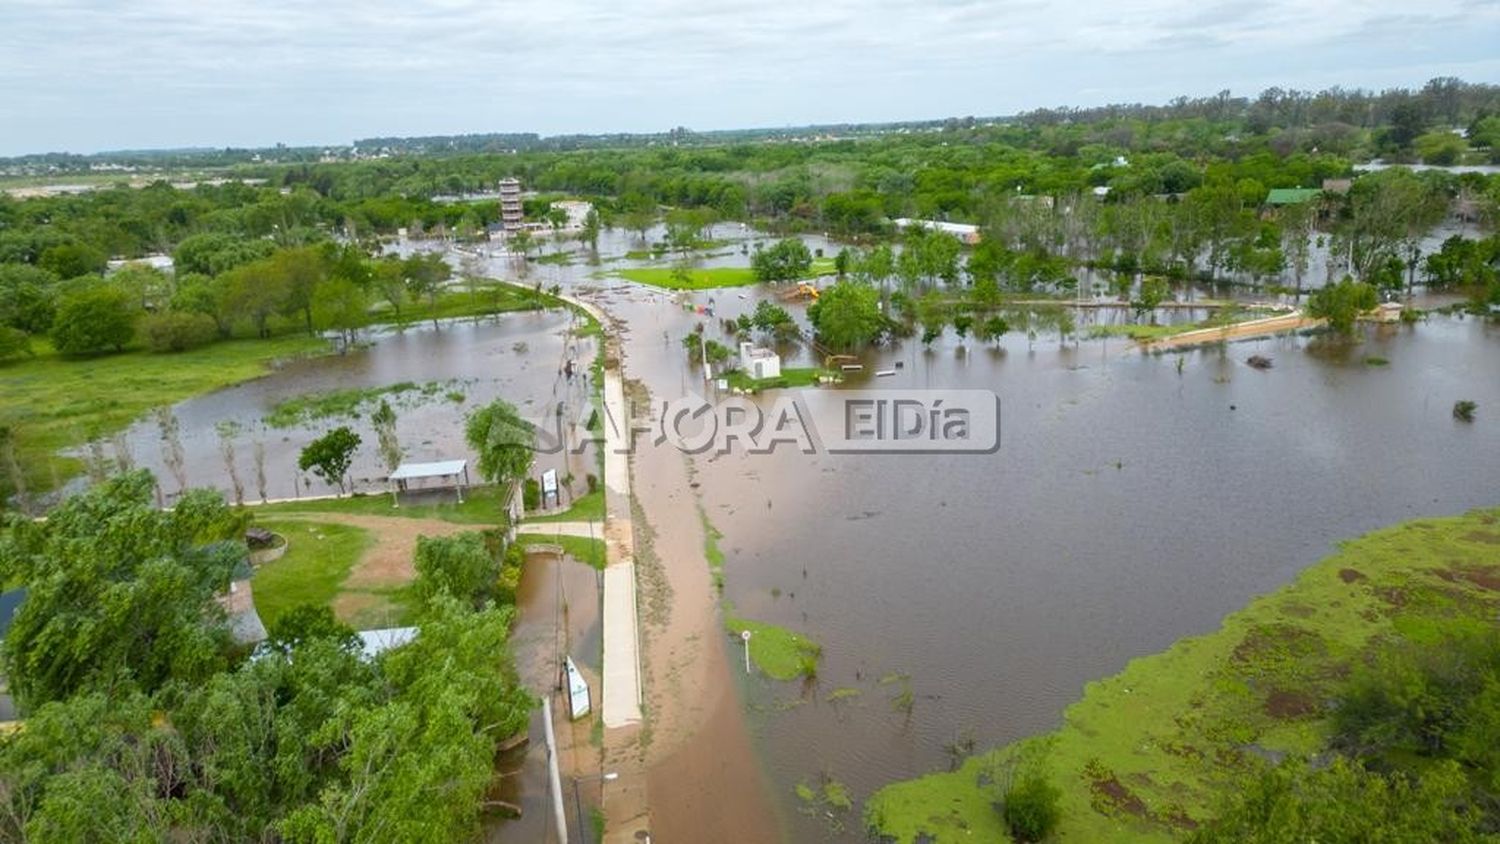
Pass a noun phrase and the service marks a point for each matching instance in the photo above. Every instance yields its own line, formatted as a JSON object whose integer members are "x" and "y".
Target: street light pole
{"x": 611, "y": 776}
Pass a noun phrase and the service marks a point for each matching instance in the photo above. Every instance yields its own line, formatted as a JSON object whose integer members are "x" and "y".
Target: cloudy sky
{"x": 87, "y": 75}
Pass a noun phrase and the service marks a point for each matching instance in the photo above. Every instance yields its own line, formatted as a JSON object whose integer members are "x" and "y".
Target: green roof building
{"x": 1291, "y": 196}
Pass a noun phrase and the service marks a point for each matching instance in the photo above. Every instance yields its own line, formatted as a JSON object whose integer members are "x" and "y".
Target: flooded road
{"x": 1130, "y": 503}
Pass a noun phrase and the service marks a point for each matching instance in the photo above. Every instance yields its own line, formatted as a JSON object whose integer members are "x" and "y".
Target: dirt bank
{"x": 704, "y": 781}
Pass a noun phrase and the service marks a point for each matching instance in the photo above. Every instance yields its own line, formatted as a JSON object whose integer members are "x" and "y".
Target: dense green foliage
{"x": 143, "y": 723}
{"x": 788, "y": 259}
{"x": 329, "y": 456}
{"x": 847, "y": 315}
{"x": 458, "y": 565}
{"x": 1030, "y": 807}
{"x": 1341, "y": 303}
{"x": 503, "y": 440}
{"x": 119, "y": 593}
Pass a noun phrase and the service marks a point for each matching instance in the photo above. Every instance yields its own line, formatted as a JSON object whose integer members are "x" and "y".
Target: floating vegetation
{"x": 351, "y": 402}
{"x": 843, "y": 693}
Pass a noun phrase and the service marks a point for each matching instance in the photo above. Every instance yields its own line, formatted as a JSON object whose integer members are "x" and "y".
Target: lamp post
{"x": 611, "y": 776}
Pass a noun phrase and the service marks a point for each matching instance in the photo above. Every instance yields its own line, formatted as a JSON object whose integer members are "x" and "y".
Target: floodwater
{"x": 1129, "y": 505}
{"x": 518, "y": 357}
{"x": 557, "y": 615}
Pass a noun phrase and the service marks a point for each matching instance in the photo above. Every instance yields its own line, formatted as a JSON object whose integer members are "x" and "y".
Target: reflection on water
{"x": 518, "y": 357}
{"x": 1130, "y": 504}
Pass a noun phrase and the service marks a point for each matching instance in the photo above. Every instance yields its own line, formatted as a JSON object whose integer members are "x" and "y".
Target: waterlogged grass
{"x": 712, "y": 552}
{"x": 695, "y": 279}
{"x": 1147, "y": 333}
{"x": 482, "y": 505}
{"x": 482, "y": 299}
{"x": 792, "y": 377}
{"x": 777, "y": 651}
{"x": 351, "y": 402}
{"x": 54, "y": 402}
{"x": 708, "y": 277}
{"x": 1142, "y": 332}
{"x": 318, "y": 559}
{"x": 590, "y": 552}
{"x": 1148, "y": 752}
{"x": 585, "y": 508}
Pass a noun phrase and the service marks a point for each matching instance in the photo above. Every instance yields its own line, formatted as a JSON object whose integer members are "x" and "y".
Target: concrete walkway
{"x": 622, "y": 659}
{"x": 586, "y": 530}
{"x": 626, "y": 803}
{"x": 1294, "y": 321}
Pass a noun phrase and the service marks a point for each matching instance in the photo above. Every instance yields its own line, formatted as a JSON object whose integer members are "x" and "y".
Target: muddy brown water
{"x": 1129, "y": 505}
{"x": 518, "y": 357}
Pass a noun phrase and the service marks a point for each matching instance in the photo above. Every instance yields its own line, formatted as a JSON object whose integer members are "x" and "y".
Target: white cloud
{"x": 88, "y": 74}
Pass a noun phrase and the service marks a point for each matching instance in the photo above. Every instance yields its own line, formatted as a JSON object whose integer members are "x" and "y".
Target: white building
{"x": 577, "y": 211}
{"x": 965, "y": 232}
{"x": 759, "y": 363}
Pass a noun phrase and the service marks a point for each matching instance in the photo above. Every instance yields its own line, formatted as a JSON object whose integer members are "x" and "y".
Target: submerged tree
{"x": 330, "y": 455}
{"x": 503, "y": 440}
{"x": 1342, "y": 303}
{"x": 172, "y": 456}
{"x": 227, "y": 431}
{"x": 847, "y": 315}
{"x": 387, "y": 443}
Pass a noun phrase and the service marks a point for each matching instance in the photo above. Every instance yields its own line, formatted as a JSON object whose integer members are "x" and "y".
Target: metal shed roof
{"x": 440, "y": 469}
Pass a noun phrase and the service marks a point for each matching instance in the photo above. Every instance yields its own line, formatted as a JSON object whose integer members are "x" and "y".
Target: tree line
{"x": 144, "y": 721}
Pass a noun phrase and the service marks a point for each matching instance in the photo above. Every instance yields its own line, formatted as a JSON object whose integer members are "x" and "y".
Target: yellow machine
{"x": 803, "y": 290}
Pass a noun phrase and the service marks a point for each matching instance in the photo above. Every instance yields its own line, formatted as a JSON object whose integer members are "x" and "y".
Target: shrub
{"x": 177, "y": 331}
{"x": 1030, "y": 807}
{"x": 531, "y": 494}
{"x": 13, "y": 342}
{"x": 1463, "y": 410}
{"x": 458, "y": 565}
{"x": 94, "y": 319}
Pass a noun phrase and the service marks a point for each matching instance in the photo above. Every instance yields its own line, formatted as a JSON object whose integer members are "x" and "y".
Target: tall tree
{"x": 330, "y": 456}
{"x": 503, "y": 440}
{"x": 120, "y": 594}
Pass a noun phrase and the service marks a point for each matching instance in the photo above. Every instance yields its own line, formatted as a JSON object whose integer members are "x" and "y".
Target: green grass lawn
{"x": 709, "y": 277}
{"x": 1151, "y": 750}
{"x": 588, "y": 507}
{"x": 590, "y": 552}
{"x": 53, "y": 402}
{"x": 776, "y": 651}
{"x": 318, "y": 558}
{"x": 485, "y": 298}
{"x": 791, "y": 377}
{"x": 1141, "y": 332}
{"x": 697, "y": 279}
{"x": 483, "y": 505}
